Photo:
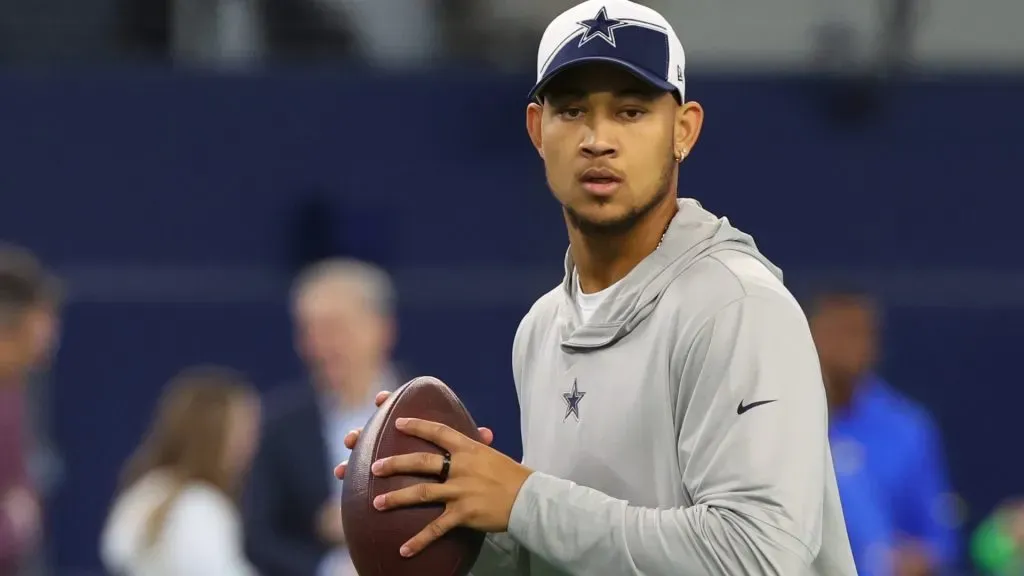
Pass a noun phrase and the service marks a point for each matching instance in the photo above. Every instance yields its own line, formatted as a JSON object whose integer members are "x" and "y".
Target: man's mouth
{"x": 600, "y": 181}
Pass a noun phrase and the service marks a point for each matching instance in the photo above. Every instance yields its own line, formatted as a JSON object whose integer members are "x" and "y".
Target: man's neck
{"x": 603, "y": 259}
{"x": 11, "y": 373}
{"x": 11, "y": 379}
{"x": 356, "y": 389}
{"x": 839, "y": 393}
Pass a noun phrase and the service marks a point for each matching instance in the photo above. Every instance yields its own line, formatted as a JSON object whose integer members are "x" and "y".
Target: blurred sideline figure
{"x": 997, "y": 546}
{"x": 345, "y": 331}
{"x": 176, "y": 511}
{"x": 887, "y": 450}
{"x": 29, "y": 299}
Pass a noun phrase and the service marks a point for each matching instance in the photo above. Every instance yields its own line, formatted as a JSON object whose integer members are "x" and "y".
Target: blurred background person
{"x": 176, "y": 512}
{"x": 28, "y": 326}
{"x": 343, "y": 311}
{"x": 997, "y": 546}
{"x": 886, "y": 448}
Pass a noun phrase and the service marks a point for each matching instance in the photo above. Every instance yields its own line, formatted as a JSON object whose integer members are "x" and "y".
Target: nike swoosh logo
{"x": 741, "y": 408}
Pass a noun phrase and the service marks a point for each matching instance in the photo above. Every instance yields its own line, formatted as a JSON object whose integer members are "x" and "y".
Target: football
{"x": 373, "y": 537}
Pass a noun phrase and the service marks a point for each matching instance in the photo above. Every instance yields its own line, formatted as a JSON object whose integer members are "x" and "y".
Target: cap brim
{"x": 645, "y": 75}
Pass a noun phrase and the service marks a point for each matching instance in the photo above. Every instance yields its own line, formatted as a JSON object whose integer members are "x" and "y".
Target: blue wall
{"x": 179, "y": 205}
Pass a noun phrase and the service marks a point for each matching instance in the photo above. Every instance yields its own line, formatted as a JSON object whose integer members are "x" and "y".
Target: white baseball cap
{"x": 620, "y": 32}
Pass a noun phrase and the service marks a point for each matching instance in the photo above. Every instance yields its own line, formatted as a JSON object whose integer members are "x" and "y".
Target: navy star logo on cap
{"x": 601, "y": 26}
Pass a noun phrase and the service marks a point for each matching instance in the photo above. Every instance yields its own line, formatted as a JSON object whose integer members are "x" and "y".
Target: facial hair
{"x": 627, "y": 221}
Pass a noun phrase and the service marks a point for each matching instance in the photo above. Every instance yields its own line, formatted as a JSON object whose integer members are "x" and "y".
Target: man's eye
{"x": 570, "y": 113}
{"x": 632, "y": 114}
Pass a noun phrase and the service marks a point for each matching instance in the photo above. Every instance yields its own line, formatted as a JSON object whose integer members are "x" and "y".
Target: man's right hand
{"x": 486, "y": 436}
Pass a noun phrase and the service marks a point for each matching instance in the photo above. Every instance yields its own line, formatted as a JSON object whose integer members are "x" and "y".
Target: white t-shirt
{"x": 589, "y": 303}
{"x": 202, "y": 535}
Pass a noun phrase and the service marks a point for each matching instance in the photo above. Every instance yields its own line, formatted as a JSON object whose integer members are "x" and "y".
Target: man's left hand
{"x": 481, "y": 488}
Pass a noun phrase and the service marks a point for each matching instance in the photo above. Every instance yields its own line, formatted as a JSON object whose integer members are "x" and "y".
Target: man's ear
{"x": 534, "y": 116}
{"x": 689, "y": 120}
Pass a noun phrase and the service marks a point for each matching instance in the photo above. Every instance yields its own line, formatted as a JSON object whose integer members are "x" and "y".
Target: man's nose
{"x": 598, "y": 142}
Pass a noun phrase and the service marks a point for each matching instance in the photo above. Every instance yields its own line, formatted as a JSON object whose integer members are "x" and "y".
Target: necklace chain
{"x": 665, "y": 231}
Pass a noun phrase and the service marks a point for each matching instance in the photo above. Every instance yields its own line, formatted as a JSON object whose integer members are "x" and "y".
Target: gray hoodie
{"x": 681, "y": 431}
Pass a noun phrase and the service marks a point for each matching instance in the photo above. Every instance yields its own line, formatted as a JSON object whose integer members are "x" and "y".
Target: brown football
{"x": 374, "y": 537}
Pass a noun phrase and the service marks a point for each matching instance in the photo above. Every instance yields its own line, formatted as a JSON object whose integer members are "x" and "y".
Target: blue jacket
{"x": 889, "y": 463}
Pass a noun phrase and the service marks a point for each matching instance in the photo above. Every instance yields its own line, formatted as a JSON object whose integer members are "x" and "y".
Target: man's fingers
{"x": 352, "y": 437}
{"x": 486, "y": 436}
{"x": 436, "y": 433}
{"x": 420, "y": 463}
{"x": 414, "y": 495}
{"x": 339, "y": 470}
{"x": 444, "y": 523}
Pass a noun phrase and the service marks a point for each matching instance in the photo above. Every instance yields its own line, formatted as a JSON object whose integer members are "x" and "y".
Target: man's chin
{"x": 603, "y": 220}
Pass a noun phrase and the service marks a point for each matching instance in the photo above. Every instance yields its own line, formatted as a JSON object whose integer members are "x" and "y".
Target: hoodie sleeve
{"x": 501, "y": 556}
{"x": 756, "y": 478}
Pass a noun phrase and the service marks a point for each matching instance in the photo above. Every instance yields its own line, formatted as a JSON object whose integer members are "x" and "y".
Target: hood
{"x": 693, "y": 234}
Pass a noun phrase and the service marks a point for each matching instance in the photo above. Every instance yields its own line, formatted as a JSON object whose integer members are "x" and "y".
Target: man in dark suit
{"x": 344, "y": 319}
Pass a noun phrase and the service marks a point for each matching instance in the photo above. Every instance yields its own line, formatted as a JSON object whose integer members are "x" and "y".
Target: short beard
{"x": 628, "y": 221}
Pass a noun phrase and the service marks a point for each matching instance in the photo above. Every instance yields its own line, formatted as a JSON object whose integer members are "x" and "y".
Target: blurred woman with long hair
{"x": 176, "y": 511}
